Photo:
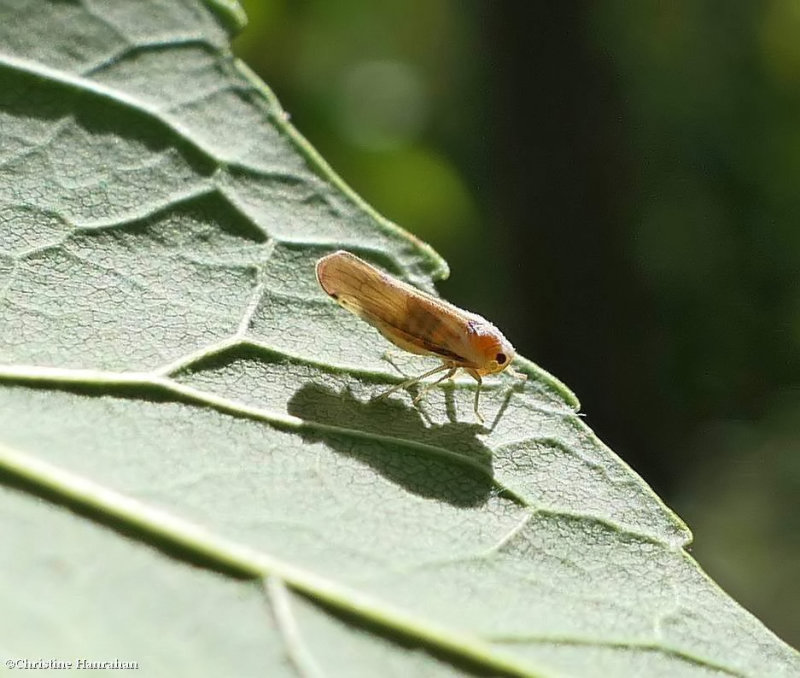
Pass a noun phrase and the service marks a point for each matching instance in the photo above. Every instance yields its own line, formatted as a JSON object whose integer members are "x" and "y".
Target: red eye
{"x": 500, "y": 358}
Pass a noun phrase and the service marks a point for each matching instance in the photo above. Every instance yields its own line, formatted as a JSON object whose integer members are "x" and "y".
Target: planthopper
{"x": 417, "y": 322}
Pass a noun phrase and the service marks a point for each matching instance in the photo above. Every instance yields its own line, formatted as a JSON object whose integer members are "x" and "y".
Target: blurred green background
{"x": 616, "y": 186}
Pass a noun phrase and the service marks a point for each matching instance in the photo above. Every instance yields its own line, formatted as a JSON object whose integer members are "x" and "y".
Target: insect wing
{"x": 360, "y": 288}
{"x": 407, "y": 317}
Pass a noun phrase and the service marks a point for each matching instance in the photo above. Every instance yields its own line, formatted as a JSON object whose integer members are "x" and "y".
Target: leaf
{"x": 195, "y": 475}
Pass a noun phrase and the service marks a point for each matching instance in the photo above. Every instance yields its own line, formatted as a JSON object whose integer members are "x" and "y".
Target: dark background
{"x": 617, "y": 186}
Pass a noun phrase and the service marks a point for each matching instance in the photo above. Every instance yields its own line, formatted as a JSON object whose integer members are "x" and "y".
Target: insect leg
{"x": 477, "y": 377}
{"x": 428, "y": 387}
{"x": 389, "y": 357}
{"x": 415, "y": 380}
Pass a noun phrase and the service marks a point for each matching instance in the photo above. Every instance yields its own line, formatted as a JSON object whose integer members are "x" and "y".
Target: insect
{"x": 417, "y": 322}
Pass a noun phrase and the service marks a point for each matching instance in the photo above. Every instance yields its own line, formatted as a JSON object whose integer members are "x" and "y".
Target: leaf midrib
{"x": 38, "y": 376}
{"x": 147, "y": 520}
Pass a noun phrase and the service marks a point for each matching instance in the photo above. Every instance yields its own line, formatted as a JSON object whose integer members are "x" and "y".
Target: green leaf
{"x": 195, "y": 475}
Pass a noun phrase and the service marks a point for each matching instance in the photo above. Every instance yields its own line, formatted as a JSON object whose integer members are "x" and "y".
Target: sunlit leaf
{"x": 196, "y": 476}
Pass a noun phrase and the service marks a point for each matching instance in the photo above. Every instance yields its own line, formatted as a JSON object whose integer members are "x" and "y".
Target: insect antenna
{"x": 515, "y": 374}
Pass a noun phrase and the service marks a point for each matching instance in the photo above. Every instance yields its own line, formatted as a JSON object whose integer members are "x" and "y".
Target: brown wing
{"x": 406, "y": 316}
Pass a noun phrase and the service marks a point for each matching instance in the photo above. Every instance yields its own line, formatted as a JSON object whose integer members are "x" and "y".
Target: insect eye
{"x": 500, "y": 358}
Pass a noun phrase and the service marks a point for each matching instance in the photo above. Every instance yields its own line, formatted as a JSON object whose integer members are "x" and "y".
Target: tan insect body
{"x": 415, "y": 321}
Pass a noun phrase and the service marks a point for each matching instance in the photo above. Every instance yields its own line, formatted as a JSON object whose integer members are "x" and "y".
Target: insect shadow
{"x": 445, "y": 462}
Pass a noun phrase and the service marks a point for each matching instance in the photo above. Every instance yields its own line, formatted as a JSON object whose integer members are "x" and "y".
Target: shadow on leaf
{"x": 445, "y": 462}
